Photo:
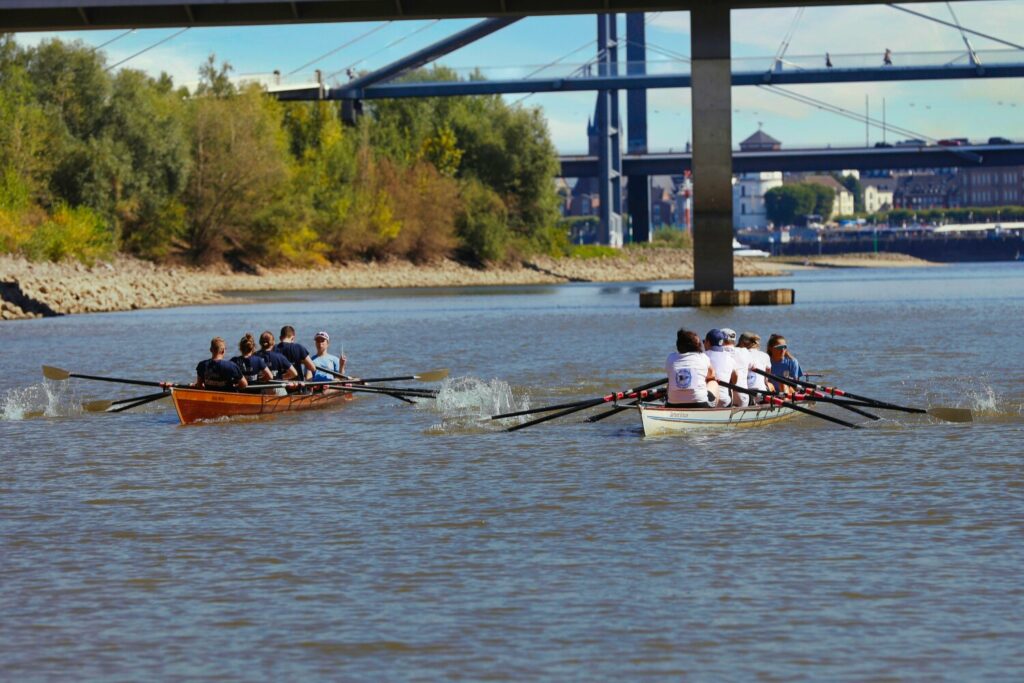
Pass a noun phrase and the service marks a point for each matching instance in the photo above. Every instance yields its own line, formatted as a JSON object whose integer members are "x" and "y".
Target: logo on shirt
{"x": 684, "y": 378}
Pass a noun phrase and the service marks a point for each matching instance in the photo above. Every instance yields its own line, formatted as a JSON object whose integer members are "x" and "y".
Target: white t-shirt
{"x": 743, "y": 362}
{"x": 763, "y": 362}
{"x": 724, "y": 364}
{"x": 687, "y": 377}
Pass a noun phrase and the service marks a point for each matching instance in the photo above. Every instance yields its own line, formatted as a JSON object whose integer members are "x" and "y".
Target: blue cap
{"x": 716, "y": 337}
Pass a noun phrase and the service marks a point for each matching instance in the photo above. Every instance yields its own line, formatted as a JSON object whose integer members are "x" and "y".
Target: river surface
{"x": 388, "y": 542}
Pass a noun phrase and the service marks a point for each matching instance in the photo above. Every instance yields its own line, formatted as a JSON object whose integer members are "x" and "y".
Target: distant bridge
{"x": 992, "y": 64}
{"x": 831, "y": 159}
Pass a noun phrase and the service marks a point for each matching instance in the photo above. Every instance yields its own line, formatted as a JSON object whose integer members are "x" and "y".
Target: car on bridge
{"x": 954, "y": 142}
{"x": 999, "y": 141}
{"x": 912, "y": 142}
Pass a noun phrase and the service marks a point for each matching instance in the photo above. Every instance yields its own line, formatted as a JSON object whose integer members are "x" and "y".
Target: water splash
{"x": 46, "y": 399}
{"x": 467, "y": 403}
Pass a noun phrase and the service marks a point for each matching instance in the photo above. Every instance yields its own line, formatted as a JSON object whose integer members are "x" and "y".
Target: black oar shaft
{"x": 608, "y": 398}
{"x": 630, "y": 393}
{"x": 140, "y": 402}
{"x": 839, "y": 392}
{"x": 779, "y": 401}
{"x": 116, "y": 380}
{"x": 657, "y": 393}
{"x": 815, "y": 413}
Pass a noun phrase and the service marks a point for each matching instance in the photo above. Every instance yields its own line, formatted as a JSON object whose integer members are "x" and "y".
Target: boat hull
{"x": 193, "y": 405}
{"x": 658, "y": 420}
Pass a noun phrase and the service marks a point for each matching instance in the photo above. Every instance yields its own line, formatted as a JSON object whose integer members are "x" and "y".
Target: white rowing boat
{"x": 658, "y": 419}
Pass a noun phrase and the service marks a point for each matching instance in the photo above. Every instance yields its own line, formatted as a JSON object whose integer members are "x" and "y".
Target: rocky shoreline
{"x": 32, "y": 290}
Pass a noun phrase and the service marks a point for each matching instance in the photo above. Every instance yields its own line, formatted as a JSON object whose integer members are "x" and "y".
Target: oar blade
{"x": 56, "y": 374}
{"x": 96, "y": 406}
{"x": 433, "y": 375}
{"x": 952, "y": 414}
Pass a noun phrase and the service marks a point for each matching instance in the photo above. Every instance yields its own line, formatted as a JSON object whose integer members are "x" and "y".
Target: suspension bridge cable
{"x": 340, "y": 47}
{"x": 117, "y": 37}
{"x": 558, "y": 61}
{"x": 668, "y": 53}
{"x": 970, "y": 48}
{"x": 147, "y": 49}
{"x": 846, "y": 113}
{"x": 386, "y": 47}
{"x": 781, "y": 52}
{"x": 951, "y": 25}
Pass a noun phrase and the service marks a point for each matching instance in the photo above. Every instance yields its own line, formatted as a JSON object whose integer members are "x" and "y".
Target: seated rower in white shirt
{"x": 691, "y": 379}
{"x": 723, "y": 363}
{"x": 743, "y": 362}
{"x": 751, "y": 341}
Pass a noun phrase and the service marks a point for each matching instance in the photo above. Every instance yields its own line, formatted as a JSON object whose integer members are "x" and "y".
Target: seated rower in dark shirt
{"x": 280, "y": 366}
{"x": 217, "y": 373}
{"x": 295, "y": 353}
{"x": 253, "y": 367}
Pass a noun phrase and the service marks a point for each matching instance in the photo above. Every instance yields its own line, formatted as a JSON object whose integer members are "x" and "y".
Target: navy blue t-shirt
{"x": 251, "y": 367}
{"x": 295, "y": 353}
{"x": 218, "y": 373}
{"x": 277, "y": 363}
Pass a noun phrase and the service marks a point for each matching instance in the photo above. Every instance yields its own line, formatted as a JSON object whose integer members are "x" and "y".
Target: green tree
{"x": 824, "y": 199}
{"x": 853, "y": 184}
{"x": 441, "y": 149}
{"x": 240, "y": 174}
{"x": 784, "y": 204}
{"x": 482, "y": 223}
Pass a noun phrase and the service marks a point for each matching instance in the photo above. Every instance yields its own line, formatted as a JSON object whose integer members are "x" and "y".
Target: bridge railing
{"x": 872, "y": 60}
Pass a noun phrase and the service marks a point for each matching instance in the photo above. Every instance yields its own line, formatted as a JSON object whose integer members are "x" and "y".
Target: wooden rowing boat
{"x": 658, "y": 420}
{"x": 203, "y": 404}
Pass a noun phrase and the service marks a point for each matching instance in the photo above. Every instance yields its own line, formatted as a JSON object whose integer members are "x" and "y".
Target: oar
{"x": 101, "y": 406}
{"x": 429, "y": 376}
{"x": 59, "y": 374}
{"x": 943, "y": 413}
{"x": 644, "y": 395}
{"x": 583, "y": 405}
{"x": 417, "y": 393}
{"x": 141, "y": 402}
{"x": 791, "y": 403}
{"x": 574, "y": 404}
{"x": 775, "y": 400}
{"x": 818, "y": 396}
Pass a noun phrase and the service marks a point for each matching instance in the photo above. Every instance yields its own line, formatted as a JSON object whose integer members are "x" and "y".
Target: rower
{"x": 296, "y": 353}
{"x": 742, "y": 360}
{"x": 217, "y": 373}
{"x": 278, "y": 364}
{"x": 723, "y": 362}
{"x": 691, "y": 379}
{"x": 783, "y": 363}
{"x": 326, "y": 361}
{"x": 252, "y": 366}
{"x": 759, "y": 360}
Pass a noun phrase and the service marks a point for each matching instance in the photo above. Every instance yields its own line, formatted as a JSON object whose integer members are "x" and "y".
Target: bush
{"x": 593, "y": 251}
{"x": 482, "y": 223}
{"x": 672, "y": 238}
{"x": 78, "y": 233}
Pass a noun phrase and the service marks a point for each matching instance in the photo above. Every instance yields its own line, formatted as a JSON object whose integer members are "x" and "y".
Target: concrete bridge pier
{"x": 712, "y": 146}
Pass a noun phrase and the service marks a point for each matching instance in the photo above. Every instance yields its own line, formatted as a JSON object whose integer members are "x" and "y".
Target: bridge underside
{"x": 65, "y": 15}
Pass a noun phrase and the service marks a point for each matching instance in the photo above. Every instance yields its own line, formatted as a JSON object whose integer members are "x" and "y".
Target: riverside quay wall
{"x": 943, "y": 249}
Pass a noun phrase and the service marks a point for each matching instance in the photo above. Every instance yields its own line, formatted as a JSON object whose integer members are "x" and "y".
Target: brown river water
{"x": 388, "y": 542}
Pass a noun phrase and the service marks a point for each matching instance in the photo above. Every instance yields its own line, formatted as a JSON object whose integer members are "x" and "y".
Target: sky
{"x": 975, "y": 108}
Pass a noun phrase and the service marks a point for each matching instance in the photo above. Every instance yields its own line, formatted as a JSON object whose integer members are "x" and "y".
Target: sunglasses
{"x": 781, "y": 346}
